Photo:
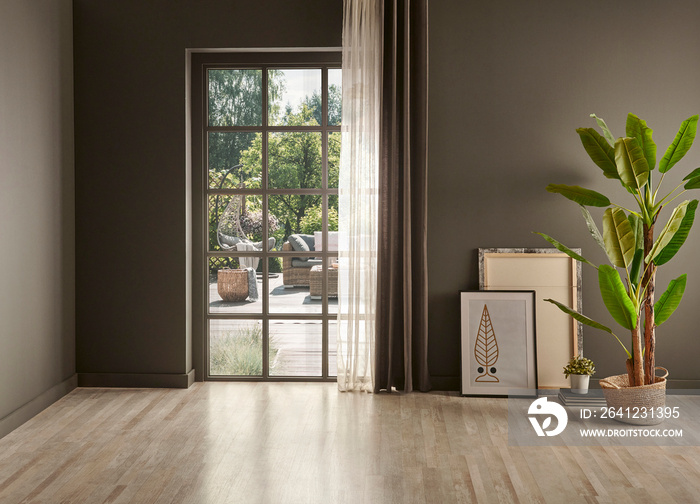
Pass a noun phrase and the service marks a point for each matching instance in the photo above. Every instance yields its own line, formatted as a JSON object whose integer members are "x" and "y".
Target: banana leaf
{"x": 599, "y": 150}
{"x": 680, "y": 145}
{"x": 638, "y": 229}
{"x": 667, "y": 233}
{"x": 679, "y": 237}
{"x": 615, "y": 297}
{"x": 693, "y": 179}
{"x": 587, "y": 321}
{"x": 595, "y": 233}
{"x": 604, "y": 128}
{"x": 620, "y": 239}
{"x": 693, "y": 183}
{"x": 631, "y": 163}
{"x": 636, "y": 268}
{"x": 563, "y": 248}
{"x": 669, "y": 300}
{"x": 692, "y": 174}
{"x": 580, "y": 195}
{"x": 637, "y": 128}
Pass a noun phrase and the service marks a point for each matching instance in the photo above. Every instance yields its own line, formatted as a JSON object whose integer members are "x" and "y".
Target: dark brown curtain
{"x": 402, "y": 271}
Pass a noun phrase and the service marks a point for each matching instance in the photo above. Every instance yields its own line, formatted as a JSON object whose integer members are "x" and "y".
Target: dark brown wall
{"x": 131, "y": 281}
{"x": 37, "y": 230}
{"x": 509, "y": 83}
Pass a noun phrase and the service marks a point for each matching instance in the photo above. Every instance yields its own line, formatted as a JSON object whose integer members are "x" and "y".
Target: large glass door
{"x": 270, "y": 156}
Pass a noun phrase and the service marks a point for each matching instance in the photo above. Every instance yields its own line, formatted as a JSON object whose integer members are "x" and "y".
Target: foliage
{"x": 233, "y": 94}
{"x": 217, "y": 205}
{"x": 252, "y": 224}
{"x": 333, "y": 161}
{"x": 235, "y": 97}
{"x": 627, "y": 285}
{"x": 239, "y": 352}
{"x": 274, "y": 264}
{"x": 313, "y": 102}
{"x": 217, "y": 263}
{"x": 223, "y": 179}
{"x": 579, "y": 365}
{"x": 313, "y": 220}
{"x": 295, "y": 162}
{"x": 294, "y": 157}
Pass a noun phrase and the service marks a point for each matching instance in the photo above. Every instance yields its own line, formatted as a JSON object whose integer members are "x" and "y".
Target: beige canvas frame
{"x": 551, "y": 274}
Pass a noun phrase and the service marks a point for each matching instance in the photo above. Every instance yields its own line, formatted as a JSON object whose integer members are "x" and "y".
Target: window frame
{"x": 201, "y": 253}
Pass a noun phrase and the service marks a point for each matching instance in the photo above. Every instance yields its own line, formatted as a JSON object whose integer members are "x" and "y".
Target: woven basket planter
{"x": 232, "y": 284}
{"x": 636, "y": 403}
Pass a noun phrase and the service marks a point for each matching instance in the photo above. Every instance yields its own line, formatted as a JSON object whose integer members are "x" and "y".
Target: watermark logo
{"x": 542, "y": 407}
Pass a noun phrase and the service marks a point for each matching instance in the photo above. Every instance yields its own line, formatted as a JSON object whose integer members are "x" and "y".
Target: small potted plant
{"x": 580, "y": 369}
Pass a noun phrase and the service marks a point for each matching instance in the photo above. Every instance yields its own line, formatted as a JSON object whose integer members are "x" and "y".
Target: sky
{"x": 301, "y": 83}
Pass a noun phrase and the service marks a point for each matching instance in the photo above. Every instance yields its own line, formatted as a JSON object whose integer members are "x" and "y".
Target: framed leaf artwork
{"x": 498, "y": 342}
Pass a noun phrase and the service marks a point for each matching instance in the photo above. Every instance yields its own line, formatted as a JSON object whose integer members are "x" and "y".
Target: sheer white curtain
{"x": 358, "y": 193}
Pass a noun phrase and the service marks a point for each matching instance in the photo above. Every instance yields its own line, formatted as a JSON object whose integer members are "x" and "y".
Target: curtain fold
{"x": 358, "y": 190}
{"x": 402, "y": 278}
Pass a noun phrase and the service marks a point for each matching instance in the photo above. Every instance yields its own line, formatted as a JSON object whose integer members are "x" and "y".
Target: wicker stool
{"x": 232, "y": 284}
{"x": 316, "y": 282}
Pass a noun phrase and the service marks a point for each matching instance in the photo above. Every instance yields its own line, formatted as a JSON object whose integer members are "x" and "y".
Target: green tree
{"x": 314, "y": 103}
{"x": 294, "y": 162}
{"x": 235, "y": 99}
{"x": 313, "y": 220}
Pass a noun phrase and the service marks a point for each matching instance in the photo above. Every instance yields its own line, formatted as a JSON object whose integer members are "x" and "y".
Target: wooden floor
{"x": 301, "y": 442}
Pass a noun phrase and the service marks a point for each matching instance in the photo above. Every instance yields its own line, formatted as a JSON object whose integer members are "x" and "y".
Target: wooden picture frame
{"x": 498, "y": 343}
{"x": 551, "y": 274}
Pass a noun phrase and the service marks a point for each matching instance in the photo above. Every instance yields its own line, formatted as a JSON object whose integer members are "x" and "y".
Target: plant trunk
{"x": 630, "y": 371}
{"x": 649, "y": 280}
{"x": 637, "y": 355}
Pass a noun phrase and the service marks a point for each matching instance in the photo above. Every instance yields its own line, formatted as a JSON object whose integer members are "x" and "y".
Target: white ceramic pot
{"x": 579, "y": 383}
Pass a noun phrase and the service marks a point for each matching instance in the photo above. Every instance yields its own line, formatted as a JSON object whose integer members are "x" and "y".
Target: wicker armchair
{"x": 295, "y": 276}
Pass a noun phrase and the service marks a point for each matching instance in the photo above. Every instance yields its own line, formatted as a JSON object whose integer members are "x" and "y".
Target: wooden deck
{"x": 298, "y": 342}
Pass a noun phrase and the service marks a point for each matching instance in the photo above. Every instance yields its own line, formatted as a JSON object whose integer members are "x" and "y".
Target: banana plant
{"x": 627, "y": 284}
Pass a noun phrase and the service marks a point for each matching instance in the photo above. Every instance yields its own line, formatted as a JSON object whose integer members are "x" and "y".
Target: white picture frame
{"x": 498, "y": 342}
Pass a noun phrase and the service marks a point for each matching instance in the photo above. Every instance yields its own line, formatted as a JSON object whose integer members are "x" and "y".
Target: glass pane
{"x": 333, "y": 158}
{"x": 333, "y": 213}
{"x": 333, "y": 286}
{"x": 290, "y": 290}
{"x": 294, "y": 160}
{"x": 235, "y": 347}
{"x": 233, "y": 218}
{"x": 335, "y": 86}
{"x": 235, "y": 97}
{"x": 295, "y": 214}
{"x": 297, "y": 347}
{"x": 332, "y": 346}
{"x": 230, "y": 290}
{"x": 235, "y": 160}
{"x": 294, "y": 97}
{"x": 319, "y": 241}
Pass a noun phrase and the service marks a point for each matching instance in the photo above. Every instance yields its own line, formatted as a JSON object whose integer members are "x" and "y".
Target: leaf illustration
{"x": 486, "y": 346}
